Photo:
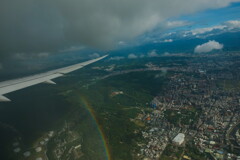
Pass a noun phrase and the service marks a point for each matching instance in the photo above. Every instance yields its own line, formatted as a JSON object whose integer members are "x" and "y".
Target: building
{"x": 179, "y": 139}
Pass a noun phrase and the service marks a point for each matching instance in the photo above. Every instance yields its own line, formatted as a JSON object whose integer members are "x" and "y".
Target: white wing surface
{"x": 20, "y": 83}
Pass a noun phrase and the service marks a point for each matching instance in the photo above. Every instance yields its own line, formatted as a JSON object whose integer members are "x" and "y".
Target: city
{"x": 201, "y": 101}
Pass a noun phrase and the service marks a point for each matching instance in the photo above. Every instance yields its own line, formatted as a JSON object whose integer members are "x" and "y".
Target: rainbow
{"x": 100, "y": 130}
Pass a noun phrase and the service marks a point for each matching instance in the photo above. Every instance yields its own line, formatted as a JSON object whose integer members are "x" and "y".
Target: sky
{"x": 41, "y": 28}
{"x": 215, "y": 16}
{"x": 205, "y": 21}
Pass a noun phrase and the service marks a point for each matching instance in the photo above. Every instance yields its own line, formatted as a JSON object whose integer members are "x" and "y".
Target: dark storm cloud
{"x": 34, "y": 26}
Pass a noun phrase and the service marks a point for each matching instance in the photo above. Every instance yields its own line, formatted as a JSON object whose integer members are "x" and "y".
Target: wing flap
{"x": 49, "y": 82}
{"x": 4, "y": 99}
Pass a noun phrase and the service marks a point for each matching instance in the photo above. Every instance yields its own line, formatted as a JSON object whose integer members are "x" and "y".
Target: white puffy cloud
{"x": 153, "y": 53}
{"x": 132, "y": 56}
{"x": 208, "y": 47}
{"x": 49, "y": 25}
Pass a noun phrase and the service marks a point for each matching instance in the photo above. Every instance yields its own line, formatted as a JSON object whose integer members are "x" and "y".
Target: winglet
{"x": 49, "y": 82}
{"x": 4, "y": 99}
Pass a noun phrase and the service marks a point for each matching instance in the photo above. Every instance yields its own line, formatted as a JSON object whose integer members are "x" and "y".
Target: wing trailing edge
{"x": 20, "y": 83}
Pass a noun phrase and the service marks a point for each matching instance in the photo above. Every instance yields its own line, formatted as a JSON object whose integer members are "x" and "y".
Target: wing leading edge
{"x": 17, "y": 84}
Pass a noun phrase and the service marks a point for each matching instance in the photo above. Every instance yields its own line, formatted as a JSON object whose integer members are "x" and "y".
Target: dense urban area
{"x": 199, "y": 108}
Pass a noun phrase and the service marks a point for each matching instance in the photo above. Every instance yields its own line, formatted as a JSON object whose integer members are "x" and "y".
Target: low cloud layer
{"x": 132, "y": 56}
{"x": 94, "y": 55}
{"x": 49, "y": 26}
{"x": 152, "y": 53}
{"x": 117, "y": 58}
{"x": 168, "y": 40}
{"x": 208, "y": 47}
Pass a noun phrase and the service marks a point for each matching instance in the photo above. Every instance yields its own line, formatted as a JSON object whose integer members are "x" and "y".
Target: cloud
{"x": 208, "y": 47}
{"x": 233, "y": 24}
{"x": 207, "y": 29}
{"x": 223, "y": 27}
{"x": 27, "y": 56}
{"x": 94, "y": 55}
{"x": 72, "y": 49}
{"x": 43, "y": 54}
{"x": 117, "y": 58}
{"x": 121, "y": 43}
{"x": 166, "y": 54}
{"x": 174, "y": 24}
{"x": 132, "y": 56}
{"x": 153, "y": 53}
{"x": 163, "y": 41}
{"x": 50, "y": 26}
{"x": 168, "y": 40}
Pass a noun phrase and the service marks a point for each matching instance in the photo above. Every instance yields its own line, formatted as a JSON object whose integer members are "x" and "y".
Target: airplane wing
{"x": 20, "y": 83}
